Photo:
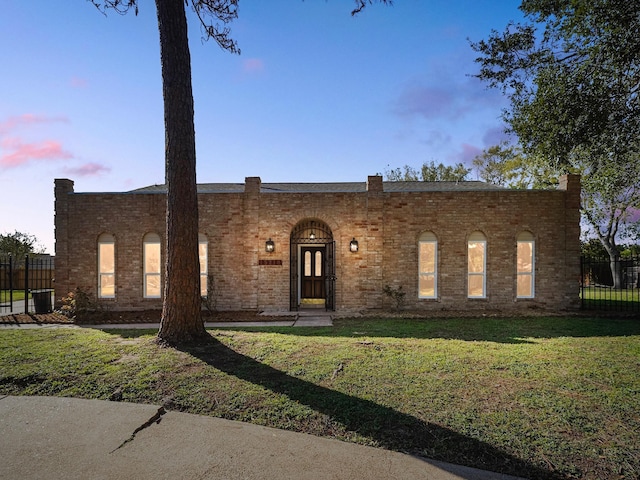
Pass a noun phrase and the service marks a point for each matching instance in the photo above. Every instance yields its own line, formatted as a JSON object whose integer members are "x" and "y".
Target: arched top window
{"x": 477, "y": 236}
{"x": 311, "y": 231}
{"x": 525, "y": 236}
{"x": 106, "y": 238}
{"x": 428, "y": 237}
{"x": 151, "y": 238}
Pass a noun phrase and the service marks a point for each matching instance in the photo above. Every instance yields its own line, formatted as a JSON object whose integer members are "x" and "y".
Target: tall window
{"x": 106, "y": 266}
{"x": 202, "y": 256}
{"x": 151, "y": 265}
{"x": 427, "y": 266}
{"x": 525, "y": 270}
{"x": 477, "y": 266}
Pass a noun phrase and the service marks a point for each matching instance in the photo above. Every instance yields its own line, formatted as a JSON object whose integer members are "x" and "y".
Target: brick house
{"x": 286, "y": 246}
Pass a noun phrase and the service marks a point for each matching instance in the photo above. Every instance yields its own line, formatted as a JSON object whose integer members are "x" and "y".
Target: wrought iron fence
{"x": 610, "y": 285}
{"x": 26, "y": 284}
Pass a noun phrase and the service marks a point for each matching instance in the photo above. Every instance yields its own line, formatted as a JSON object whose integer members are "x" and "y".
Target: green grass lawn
{"x": 625, "y": 299}
{"x": 18, "y": 295}
{"x": 535, "y": 397}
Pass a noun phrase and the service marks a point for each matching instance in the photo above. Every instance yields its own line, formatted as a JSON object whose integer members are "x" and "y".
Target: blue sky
{"x": 316, "y": 96}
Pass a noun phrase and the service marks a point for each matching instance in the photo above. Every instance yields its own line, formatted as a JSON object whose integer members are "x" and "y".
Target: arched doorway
{"x": 312, "y": 269}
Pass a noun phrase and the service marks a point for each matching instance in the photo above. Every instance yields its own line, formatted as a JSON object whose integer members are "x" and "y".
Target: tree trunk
{"x": 614, "y": 263}
{"x": 181, "y": 320}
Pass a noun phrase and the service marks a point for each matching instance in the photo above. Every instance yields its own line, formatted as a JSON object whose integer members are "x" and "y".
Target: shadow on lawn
{"x": 391, "y": 429}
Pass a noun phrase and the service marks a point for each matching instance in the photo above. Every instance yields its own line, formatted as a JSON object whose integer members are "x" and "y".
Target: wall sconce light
{"x": 269, "y": 246}
{"x": 312, "y": 236}
{"x": 353, "y": 245}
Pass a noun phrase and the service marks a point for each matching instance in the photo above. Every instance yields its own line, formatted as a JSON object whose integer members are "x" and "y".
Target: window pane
{"x": 107, "y": 285}
{"x": 152, "y": 287}
{"x": 307, "y": 264}
{"x": 203, "y": 285}
{"x": 476, "y": 286}
{"x": 525, "y": 285}
{"x": 106, "y": 257}
{"x": 318, "y": 264}
{"x": 152, "y": 258}
{"x": 427, "y": 286}
{"x": 427, "y": 257}
{"x": 525, "y": 257}
{"x": 202, "y": 256}
{"x": 476, "y": 257}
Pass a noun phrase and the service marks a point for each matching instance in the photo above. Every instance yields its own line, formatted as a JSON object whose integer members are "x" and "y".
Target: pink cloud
{"x": 27, "y": 119}
{"x": 15, "y": 151}
{"x": 440, "y": 97}
{"x": 466, "y": 155}
{"x": 88, "y": 170}
{"x": 495, "y": 136}
{"x": 427, "y": 102}
{"x": 78, "y": 82}
{"x": 253, "y": 65}
{"x": 22, "y": 153}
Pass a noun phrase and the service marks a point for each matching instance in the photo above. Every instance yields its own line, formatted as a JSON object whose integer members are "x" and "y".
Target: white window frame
{"x": 477, "y": 238}
{"x": 103, "y": 240}
{"x": 526, "y": 238}
{"x": 428, "y": 238}
{"x": 151, "y": 239}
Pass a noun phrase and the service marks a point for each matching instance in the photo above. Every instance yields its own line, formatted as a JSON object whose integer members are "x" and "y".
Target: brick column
{"x": 62, "y": 193}
{"x": 571, "y": 185}
{"x": 250, "y": 243}
{"x": 372, "y": 280}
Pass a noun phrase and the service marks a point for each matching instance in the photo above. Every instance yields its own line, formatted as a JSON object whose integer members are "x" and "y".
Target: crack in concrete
{"x": 154, "y": 419}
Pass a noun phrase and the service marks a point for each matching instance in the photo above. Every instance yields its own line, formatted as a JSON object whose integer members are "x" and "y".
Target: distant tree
{"x": 592, "y": 248}
{"x": 610, "y": 194}
{"x": 571, "y": 74}
{"x": 18, "y": 244}
{"x": 181, "y": 321}
{"x": 430, "y": 172}
{"x": 508, "y": 166}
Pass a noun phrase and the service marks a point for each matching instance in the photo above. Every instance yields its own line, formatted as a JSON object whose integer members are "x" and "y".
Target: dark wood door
{"x": 313, "y": 272}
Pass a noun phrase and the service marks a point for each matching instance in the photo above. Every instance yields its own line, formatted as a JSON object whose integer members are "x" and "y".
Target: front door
{"x": 313, "y": 274}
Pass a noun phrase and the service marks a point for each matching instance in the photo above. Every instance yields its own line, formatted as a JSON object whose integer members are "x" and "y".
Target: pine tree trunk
{"x": 181, "y": 320}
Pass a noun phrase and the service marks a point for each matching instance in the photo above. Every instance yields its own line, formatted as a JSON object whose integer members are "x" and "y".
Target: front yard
{"x": 535, "y": 397}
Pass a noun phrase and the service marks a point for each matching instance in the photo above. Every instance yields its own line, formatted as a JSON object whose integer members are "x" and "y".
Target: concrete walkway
{"x": 64, "y": 438}
{"x": 298, "y": 319}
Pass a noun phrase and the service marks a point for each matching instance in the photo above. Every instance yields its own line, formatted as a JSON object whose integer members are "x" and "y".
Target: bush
{"x": 396, "y": 294}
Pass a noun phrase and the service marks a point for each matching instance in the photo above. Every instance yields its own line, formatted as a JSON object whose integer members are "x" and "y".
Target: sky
{"x": 315, "y": 96}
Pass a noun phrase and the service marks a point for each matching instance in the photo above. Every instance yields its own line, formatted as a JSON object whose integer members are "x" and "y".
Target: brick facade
{"x": 385, "y": 218}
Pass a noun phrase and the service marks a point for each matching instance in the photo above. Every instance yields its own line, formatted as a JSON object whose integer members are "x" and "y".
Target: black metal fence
{"x": 26, "y": 284}
{"x": 611, "y": 286}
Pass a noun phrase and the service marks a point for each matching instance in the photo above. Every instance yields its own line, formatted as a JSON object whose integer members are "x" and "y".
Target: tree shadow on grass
{"x": 391, "y": 429}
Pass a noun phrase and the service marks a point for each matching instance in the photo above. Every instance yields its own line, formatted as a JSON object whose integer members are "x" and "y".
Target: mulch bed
{"x": 39, "y": 318}
{"x": 141, "y": 316}
{"x": 153, "y": 316}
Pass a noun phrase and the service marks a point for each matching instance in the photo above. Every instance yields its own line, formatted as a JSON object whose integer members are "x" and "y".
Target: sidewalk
{"x": 65, "y": 438}
{"x": 290, "y": 319}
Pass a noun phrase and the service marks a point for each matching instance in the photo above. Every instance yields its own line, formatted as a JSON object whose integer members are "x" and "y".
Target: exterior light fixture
{"x": 312, "y": 236}
{"x": 353, "y": 245}
{"x": 269, "y": 246}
